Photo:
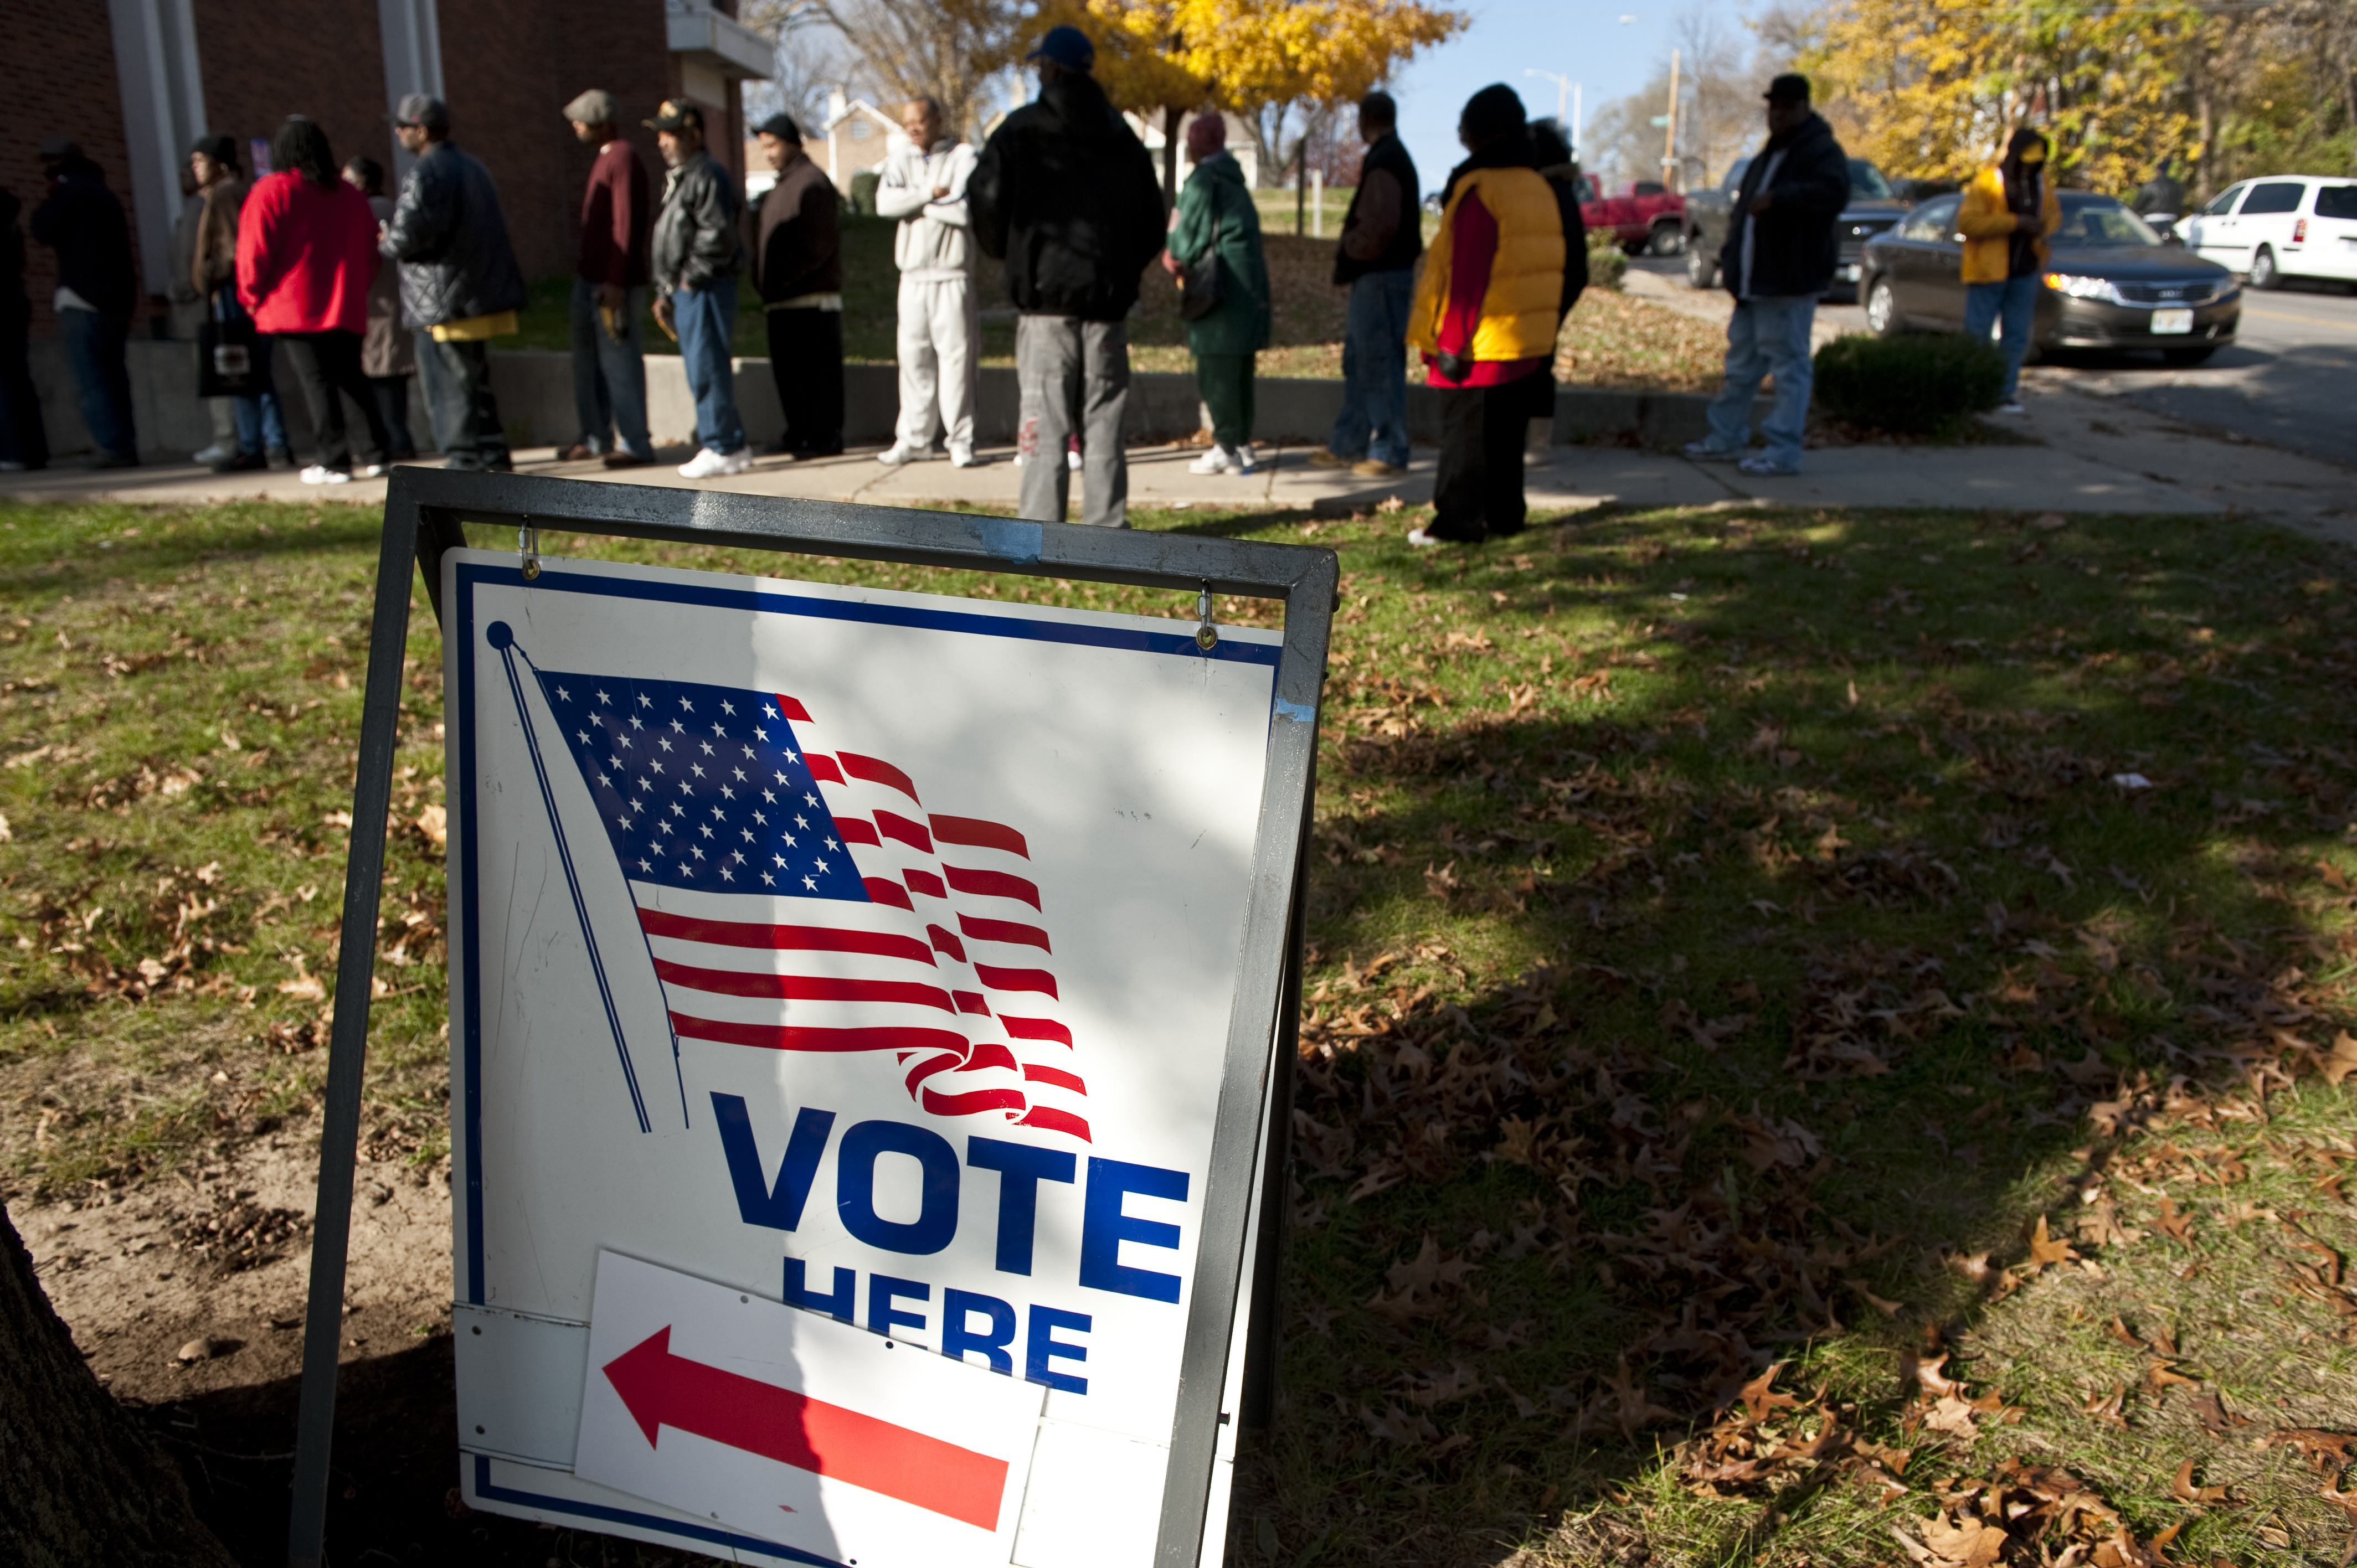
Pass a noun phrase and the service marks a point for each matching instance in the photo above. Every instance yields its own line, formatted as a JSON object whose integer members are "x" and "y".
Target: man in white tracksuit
{"x": 924, "y": 186}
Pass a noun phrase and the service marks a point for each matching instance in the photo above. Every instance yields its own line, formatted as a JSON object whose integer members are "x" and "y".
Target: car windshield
{"x": 2103, "y": 221}
{"x": 1866, "y": 181}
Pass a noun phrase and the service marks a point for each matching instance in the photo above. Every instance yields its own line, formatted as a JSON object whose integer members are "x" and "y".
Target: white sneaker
{"x": 318, "y": 475}
{"x": 1418, "y": 539}
{"x": 898, "y": 453}
{"x": 963, "y": 457}
{"x": 216, "y": 453}
{"x": 1246, "y": 458}
{"x": 2014, "y": 407}
{"x": 710, "y": 464}
{"x": 374, "y": 471}
{"x": 1215, "y": 461}
{"x": 1071, "y": 460}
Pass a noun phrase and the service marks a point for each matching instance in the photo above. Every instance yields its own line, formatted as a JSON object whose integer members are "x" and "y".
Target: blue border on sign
{"x": 974, "y": 623}
{"x": 484, "y": 1488}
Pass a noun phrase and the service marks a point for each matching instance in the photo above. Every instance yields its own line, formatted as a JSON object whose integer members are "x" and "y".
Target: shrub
{"x": 1927, "y": 385}
{"x": 1607, "y": 263}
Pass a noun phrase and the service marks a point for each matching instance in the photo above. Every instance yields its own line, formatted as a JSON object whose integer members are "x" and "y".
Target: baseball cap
{"x": 421, "y": 109}
{"x": 595, "y": 107}
{"x": 1792, "y": 84}
{"x": 1068, "y": 46}
{"x": 676, "y": 114}
{"x": 781, "y": 126}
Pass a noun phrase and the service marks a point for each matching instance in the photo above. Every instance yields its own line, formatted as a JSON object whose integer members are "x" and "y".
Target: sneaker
{"x": 1072, "y": 460}
{"x": 1246, "y": 458}
{"x": 1376, "y": 468}
{"x": 2011, "y": 406}
{"x": 1215, "y": 461}
{"x": 710, "y": 464}
{"x": 579, "y": 452}
{"x": 110, "y": 460}
{"x": 212, "y": 455}
{"x": 282, "y": 459}
{"x": 1327, "y": 457}
{"x": 963, "y": 457}
{"x": 1703, "y": 452}
{"x": 626, "y": 458}
{"x": 1019, "y": 459}
{"x": 812, "y": 453}
{"x": 374, "y": 471}
{"x": 1766, "y": 468}
{"x": 319, "y": 474}
{"x": 900, "y": 453}
{"x": 1422, "y": 539}
{"x": 10, "y": 466}
{"x": 242, "y": 463}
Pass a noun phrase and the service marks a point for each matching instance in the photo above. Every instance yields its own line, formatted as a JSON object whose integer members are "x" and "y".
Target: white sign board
{"x": 830, "y": 964}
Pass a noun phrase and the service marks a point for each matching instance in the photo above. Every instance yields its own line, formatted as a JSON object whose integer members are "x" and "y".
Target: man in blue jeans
{"x": 1778, "y": 260}
{"x": 1382, "y": 234}
{"x": 698, "y": 252}
{"x": 82, "y": 220}
{"x": 609, "y": 294}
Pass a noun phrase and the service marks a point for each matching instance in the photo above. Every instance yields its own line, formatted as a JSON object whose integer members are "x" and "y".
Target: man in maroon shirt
{"x": 609, "y": 294}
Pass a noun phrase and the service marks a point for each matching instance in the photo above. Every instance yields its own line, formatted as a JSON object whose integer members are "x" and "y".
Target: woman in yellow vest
{"x": 1487, "y": 308}
{"x": 2006, "y": 214}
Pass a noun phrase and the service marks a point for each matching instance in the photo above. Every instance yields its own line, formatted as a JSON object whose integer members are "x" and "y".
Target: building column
{"x": 163, "y": 113}
{"x": 412, "y": 35}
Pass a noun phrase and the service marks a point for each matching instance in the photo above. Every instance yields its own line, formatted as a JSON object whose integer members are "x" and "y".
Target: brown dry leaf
{"x": 306, "y": 986}
{"x": 2161, "y": 1375}
{"x": 1968, "y": 1544}
{"x": 2344, "y": 1059}
{"x": 2049, "y": 522}
{"x": 1887, "y": 1308}
{"x": 2178, "y": 1227}
{"x": 1761, "y": 1399}
{"x": 2330, "y": 1450}
{"x": 2185, "y": 1491}
{"x": 1934, "y": 1382}
{"x": 433, "y": 822}
{"x": 2216, "y": 1419}
{"x": 2108, "y": 1408}
{"x": 1952, "y": 1414}
{"x": 2045, "y": 1250}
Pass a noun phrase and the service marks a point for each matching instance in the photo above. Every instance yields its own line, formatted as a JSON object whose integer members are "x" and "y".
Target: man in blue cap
{"x": 1065, "y": 194}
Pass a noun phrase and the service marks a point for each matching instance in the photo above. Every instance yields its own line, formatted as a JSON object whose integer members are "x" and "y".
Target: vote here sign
{"x": 834, "y": 967}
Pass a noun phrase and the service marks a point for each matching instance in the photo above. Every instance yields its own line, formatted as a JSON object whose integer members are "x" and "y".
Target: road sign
{"x": 863, "y": 1008}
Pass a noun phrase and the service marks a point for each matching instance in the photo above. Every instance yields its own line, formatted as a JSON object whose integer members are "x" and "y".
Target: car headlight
{"x": 2073, "y": 286}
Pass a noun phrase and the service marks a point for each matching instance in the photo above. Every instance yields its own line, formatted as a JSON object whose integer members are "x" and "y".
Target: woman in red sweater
{"x": 305, "y": 256}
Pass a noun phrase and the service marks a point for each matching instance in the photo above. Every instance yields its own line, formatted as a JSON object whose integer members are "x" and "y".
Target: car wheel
{"x": 1882, "y": 309}
{"x": 1667, "y": 239}
{"x": 2263, "y": 271}
{"x": 2188, "y": 356}
{"x": 1702, "y": 268}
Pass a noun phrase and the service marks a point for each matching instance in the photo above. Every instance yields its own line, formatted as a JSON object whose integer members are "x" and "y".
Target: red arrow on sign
{"x": 662, "y": 1389}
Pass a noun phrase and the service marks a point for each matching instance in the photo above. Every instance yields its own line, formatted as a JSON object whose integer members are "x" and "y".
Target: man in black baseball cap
{"x": 698, "y": 253}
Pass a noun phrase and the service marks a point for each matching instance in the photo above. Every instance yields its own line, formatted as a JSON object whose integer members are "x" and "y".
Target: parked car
{"x": 2302, "y": 225}
{"x": 1873, "y": 208}
{"x": 1644, "y": 216}
{"x": 2110, "y": 283}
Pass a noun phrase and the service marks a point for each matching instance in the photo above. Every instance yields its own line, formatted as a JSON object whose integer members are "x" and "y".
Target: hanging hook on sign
{"x": 528, "y": 547}
{"x": 1207, "y": 636}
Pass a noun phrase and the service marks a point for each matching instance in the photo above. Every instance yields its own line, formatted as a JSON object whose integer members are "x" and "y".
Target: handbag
{"x": 1204, "y": 287}
{"x": 229, "y": 364}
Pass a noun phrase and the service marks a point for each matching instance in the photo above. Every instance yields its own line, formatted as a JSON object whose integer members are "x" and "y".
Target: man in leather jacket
{"x": 460, "y": 286}
{"x": 698, "y": 251}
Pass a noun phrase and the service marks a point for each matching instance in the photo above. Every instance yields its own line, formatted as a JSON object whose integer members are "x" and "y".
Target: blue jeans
{"x": 95, "y": 346}
{"x": 1373, "y": 421}
{"x": 261, "y": 422}
{"x": 706, "y": 320}
{"x": 609, "y": 373}
{"x": 2013, "y": 302}
{"x": 1767, "y": 336}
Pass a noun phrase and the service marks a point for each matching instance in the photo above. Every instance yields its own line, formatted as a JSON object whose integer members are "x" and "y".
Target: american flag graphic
{"x": 795, "y": 899}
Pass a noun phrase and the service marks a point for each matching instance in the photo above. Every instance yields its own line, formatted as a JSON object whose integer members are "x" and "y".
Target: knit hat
{"x": 595, "y": 107}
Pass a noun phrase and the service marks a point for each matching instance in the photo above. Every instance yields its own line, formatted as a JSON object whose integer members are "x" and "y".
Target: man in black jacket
{"x": 1779, "y": 258}
{"x": 84, "y": 223}
{"x": 798, "y": 271}
{"x": 1382, "y": 234}
{"x": 460, "y": 286}
{"x": 1065, "y": 194}
{"x": 698, "y": 250}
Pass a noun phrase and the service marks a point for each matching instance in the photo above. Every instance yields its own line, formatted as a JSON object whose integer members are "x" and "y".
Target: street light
{"x": 1564, "y": 86}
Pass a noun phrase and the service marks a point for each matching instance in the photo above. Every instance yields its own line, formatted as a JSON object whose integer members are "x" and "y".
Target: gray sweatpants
{"x": 1074, "y": 378}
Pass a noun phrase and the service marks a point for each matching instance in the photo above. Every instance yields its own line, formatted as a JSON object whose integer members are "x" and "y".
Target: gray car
{"x": 2111, "y": 283}
{"x": 1873, "y": 208}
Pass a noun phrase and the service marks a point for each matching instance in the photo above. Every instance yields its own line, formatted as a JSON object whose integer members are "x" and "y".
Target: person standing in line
{"x": 24, "y": 438}
{"x": 697, "y": 255}
{"x": 305, "y": 257}
{"x": 1487, "y": 311}
{"x": 2008, "y": 211}
{"x": 190, "y": 312}
{"x": 609, "y": 294}
{"x": 1065, "y": 194}
{"x": 1778, "y": 260}
{"x": 388, "y": 357}
{"x": 260, "y": 421}
{"x": 924, "y": 186}
{"x": 1215, "y": 231}
{"x": 82, "y": 220}
{"x": 798, "y": 271}
{"x": 1382, "y": 234}
{"x": 460, "y": 286}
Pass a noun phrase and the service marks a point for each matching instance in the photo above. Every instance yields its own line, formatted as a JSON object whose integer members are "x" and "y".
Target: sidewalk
{"x": 2100, "y": 456}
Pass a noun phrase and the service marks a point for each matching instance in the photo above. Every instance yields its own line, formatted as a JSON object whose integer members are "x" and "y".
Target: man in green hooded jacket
{"x": 1216, "y": 217}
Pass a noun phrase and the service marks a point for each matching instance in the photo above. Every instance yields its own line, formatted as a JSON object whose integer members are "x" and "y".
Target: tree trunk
{"x": 82, "y": 1483}
{"x": 1170, "y": 118}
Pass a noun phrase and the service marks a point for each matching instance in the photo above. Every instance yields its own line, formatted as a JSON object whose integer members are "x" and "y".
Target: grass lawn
{"x": 1610, "y": 340}
{"x": 1770, "y": 1092}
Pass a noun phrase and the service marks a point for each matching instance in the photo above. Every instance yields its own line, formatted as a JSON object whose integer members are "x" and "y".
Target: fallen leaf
{"x": 2175, "y": 1226}
{"x": 433, "y": 822}
{"x": 2185, "y": 1491}
{"x": 2045, "y": 1250}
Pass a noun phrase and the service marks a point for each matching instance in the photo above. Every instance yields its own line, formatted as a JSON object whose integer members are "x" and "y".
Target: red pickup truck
{"x": 1645, "y": 216}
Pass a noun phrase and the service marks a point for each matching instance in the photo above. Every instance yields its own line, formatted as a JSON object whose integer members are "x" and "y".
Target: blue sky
{"x": 1583, "y": 39}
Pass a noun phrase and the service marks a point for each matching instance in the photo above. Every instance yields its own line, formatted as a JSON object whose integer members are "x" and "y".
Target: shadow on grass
{"x": 1694, "y": 1000}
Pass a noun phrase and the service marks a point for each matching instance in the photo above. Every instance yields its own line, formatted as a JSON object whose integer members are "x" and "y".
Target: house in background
{"x": 857, "y": 136}
{"x": 1239, "y": 143}
{"x": 138, "y": 89}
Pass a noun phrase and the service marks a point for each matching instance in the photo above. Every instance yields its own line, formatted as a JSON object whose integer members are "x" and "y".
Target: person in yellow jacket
{"x": 2008, "y": 211}
{"x": 1486, "y": 311}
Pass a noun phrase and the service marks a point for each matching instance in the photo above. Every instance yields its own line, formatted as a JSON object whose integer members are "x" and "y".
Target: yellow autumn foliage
{"x": 1246, "y": 54}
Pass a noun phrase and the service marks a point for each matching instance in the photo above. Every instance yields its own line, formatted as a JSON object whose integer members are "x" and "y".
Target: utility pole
{"x": 1670, "y": 142}
{"x": 1562, "y": 86}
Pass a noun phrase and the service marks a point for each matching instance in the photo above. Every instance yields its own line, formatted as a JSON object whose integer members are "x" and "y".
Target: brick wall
{"x": 264, "y": 59}
{"x": 56, "y": 77}
{"x": 619, "y": 45}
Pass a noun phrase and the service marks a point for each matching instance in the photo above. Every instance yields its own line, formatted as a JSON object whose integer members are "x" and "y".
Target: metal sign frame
{"x": 424, "y": 510}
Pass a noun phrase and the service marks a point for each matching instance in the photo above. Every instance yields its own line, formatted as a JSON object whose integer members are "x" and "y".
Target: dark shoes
{"x": 579, "y": 452}
{"x": 110, "y": 460}
{"x": 471, "y": 464}
{"x": 282, "y": 459}
{"x": 804, "y": 454}
{"x": 626, "y": 458}
{"x": 242, "y": 463}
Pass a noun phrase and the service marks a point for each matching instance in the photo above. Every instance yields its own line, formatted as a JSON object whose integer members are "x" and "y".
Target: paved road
{"x": 2290, "y": 378}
